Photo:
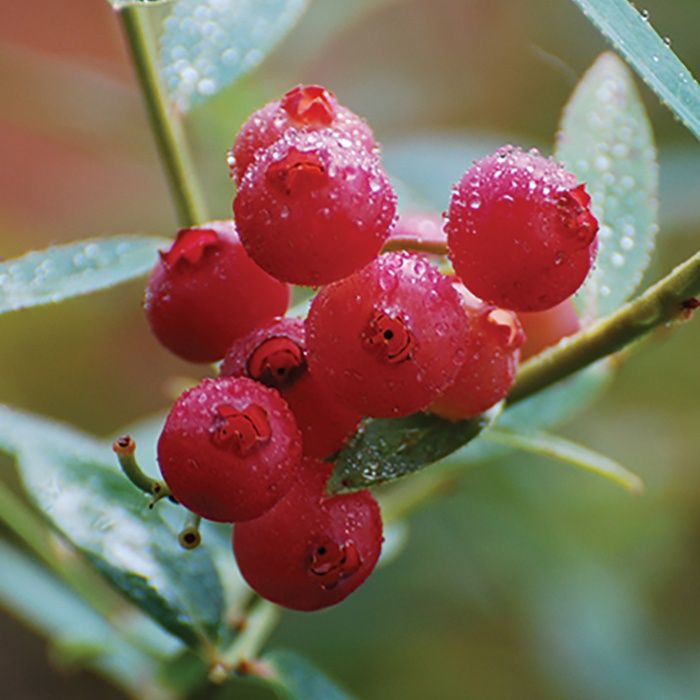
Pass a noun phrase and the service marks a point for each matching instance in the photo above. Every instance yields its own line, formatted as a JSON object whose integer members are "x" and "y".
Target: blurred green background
{"x": 530, "y": 581}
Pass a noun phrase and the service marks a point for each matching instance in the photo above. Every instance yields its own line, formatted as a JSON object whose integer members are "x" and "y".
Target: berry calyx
{"x": 311, "y": 550}
{"x": 275, "y": 354}
{"x": 205, "y": 291}
{"x": 230, "y": 449}
{"x": 521, "y": 233}
{"x": 491, "y": 355}
{"x": 314, "y": 208}
{"x": 388, "y": 339}
{"x": 306, "y": 108}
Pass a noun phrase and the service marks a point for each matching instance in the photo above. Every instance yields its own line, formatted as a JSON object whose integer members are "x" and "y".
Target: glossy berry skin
{"x": 520, "y": 230}
{"x": 230, "y": 449}
{"x": 205, "y": 292}
{"x": 303, "y": 108}
{"x": 491, "y": 356}
{"x": 311, "y": 550}
{"x": 313, "y": 209}
{"x": 546, "y": 328}
{"x": 389, "y": 339}
{"x": 275, "y": 354}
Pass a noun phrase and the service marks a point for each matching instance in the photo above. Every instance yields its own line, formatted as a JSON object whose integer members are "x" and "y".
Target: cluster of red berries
{"x": 387, "y": 335}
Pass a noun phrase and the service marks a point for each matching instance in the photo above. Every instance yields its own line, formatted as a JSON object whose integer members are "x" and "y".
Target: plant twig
{"x": 165, "y": 123}
{"x": 662, "y": 303}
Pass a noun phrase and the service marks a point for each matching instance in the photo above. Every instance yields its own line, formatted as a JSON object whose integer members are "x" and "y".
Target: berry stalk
{"x": 165, "y": 123}
{"x": 661, "y": 303}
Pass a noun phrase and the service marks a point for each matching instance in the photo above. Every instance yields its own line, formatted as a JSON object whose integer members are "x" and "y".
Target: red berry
{"x": 230, "y": 449}
{"x": 423, "y": 229}
{"x": 303, "y": 108}
{"x": 491, "y": 354}
{"x": 275, "y": 354}
{"x": 520, "y": 230}
{"x": 313, "y": 209}
{"x": 311, "y": 550}
{"x": 389, "y": 339}
{"x": 205, "y": 292}
{"x": 546, "y": 328}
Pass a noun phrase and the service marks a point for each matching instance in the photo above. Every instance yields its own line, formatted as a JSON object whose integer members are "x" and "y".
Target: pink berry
{"x": 546, "y": 328}
{"x": 311, "y": 550}
{"x": 314, "y": 208}
{"x": 230, "y": 449}
{"x": 205, "y": 291}
{"x": 389, "y": 339}
{"x": 491, "y": 354}
{"x": 520, "y": 230}
{"x": 275, "y": 354}
{"x": 303, "y": 108}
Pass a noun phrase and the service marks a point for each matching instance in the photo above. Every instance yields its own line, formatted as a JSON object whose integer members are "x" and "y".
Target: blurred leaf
{"x": 207, "y": 44}
{"x": 660, "y": 68}
{"x": 74, "y": 482}
{"x": 565, "y": 451}
{"x": 384, "y": 449}
{"x": 31, "y": 593}
{"x": 64, "y": 271}
{"x": 119, "y": 4}
{"x": 296, "y": 679}
{"x": 606, "y": 141}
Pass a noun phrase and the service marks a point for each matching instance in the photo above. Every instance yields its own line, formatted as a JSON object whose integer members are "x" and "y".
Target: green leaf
{"x": 569, "y": 452}
{"x": 294, "y": 678}
{"x": 385, "y": 449}
{"x": 120, "y": 4}
{"x": 65, "y": 271}
{"x": 74, "y": 482}
{"x": 31, "y": 593}
{"x": 660, "y": 68}
{"x": 605, "y": 139}
{"x": 208, "y": 44}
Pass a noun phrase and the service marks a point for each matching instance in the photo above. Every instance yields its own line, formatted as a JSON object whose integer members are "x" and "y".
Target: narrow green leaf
{"x": 207, "y": 44}
{"x": 65, "y": 271}
{"x": 120, "y": 4}
{"x": 605, "y": 139}
{"x": 660, "y": 68}
{"x": 385, "y": 449}
{"x": 569, "y": 452}
{"x": 73, "y": 480}
{"x": 31, "y": 593}
{"x": 296, "y": 679}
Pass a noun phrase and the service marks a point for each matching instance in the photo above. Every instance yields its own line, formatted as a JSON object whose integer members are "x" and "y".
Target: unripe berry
{"x": 389, "y": 339}
{"x": 205, "y": 292}
{"x": 314, "y": 208}
{"x": 423, "y": 229}
{"x": 303, "y": 108}
{"x": 491, "y": 354}
{"x": 275, "y": 354}
{"x": 311, "y": 550}
{"x": 521, "y": 232}
{"x": 230, "y": 449}
{"x": 546, "y": 328}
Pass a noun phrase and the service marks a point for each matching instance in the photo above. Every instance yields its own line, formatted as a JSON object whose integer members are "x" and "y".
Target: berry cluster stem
{"x": 661, "y": 303}
{"x": 165, "y": 122}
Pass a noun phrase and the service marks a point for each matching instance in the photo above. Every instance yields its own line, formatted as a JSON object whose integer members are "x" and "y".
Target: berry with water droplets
{"x": 311, "y": 210}
{"x": 491, "y": 355}
{"x": 520, "y": 230}
{"x": 303, "y": 108}
{"x": 389, "y": 339}
{"x": 311, "y": 550}
{"x": 546, "y": 328}
{"x": 230, "y": 449}
{"x": 275, "y": 354}
{"x": 205, "y": 292}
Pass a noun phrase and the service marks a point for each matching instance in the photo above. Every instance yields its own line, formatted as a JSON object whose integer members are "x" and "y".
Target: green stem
{"x": 165, "y": 123}
{"x": 258, "y": 626}
{"x": 661, "y": 303}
